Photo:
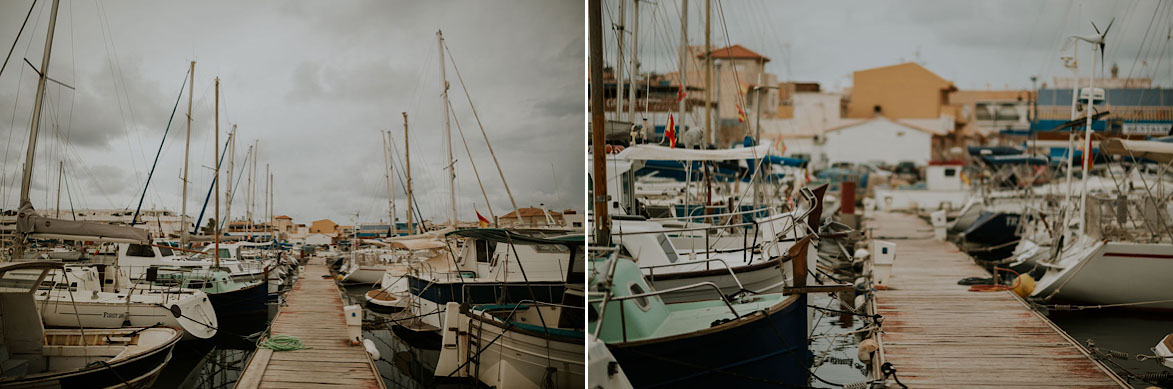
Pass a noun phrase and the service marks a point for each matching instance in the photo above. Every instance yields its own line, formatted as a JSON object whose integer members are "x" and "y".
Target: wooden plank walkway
{"x": 936, "y": 333}
{"x": 312, "y": 313}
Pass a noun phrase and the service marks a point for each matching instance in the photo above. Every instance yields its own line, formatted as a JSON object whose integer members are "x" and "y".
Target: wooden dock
{"x": 936, "y": 333}
{"x": 313, "y": 313}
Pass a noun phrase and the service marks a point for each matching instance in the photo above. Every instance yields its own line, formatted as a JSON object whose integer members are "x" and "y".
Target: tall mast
{"x": 619, "y": 78}
{"x": 27, "y": 178}
{"x": 407, "y": 162}
{"x": 60, "y": 171}
{"x": 186, "y": 147}
{"x": 598, "y": 141}
{"x": 447, "y": 131}
{"x": 268, "y": 190}
{"x": 228, "y": 189}
{"x": 216, "y": 180}
{"x": 272, "y": 231}
{"x": 1087, "y": 140}
{"x": 387, "y": 174}
{"x": 631, "y": 89}
{"x": 683, "y": 65}
{"x": 708, "y": 74}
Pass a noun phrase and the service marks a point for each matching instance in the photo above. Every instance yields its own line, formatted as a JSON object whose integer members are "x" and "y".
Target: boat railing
{"x": 621, "y": 299}
{"x": 652, "y": 269}
{"x": 1128, "y": 218}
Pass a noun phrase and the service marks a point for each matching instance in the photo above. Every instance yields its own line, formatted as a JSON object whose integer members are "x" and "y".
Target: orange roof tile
{"x": 735, "y": 52}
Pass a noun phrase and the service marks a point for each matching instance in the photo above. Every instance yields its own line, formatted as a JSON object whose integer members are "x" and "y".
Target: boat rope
{"x": 997, "y": 287}
{"x": 182, "y": 87}
{"x": 18, "y": 33}
{"x": 1105, "y": 352}
{"x": 889, "y": 370}
{"x": 1069, "y": 307}
{"x": 1151, "y": 378}
{"x": 877, "y": 317}
{"x": 111, "y": 368}
{"x": 283, "y": 343}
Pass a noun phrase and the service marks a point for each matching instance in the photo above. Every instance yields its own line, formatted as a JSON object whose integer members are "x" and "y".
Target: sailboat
{"x": 33, "y": 356}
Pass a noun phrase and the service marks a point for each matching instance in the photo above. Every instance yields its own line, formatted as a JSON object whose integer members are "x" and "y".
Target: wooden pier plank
{"x": 936, "y": 333}
{"x": 312, "y": 313}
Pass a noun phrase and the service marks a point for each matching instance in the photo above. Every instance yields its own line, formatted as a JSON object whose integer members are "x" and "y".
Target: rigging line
{"x": 471, "y": 161}
{"x": 402, "y": 184}
{"x": 485, "y": 135}
{"x": 18, "y": 33}
{"x": 16, "y": 103}
{"x": 182, "y": 87}
{"x": 1142, "y": 41}
{"x": 118, "y": 97}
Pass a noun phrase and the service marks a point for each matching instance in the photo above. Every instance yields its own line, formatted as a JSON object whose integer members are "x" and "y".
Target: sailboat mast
{"x": 268, "y": 188}
{"x": 708, "y": 73}
{"x": 598, "y": 141}
{"x": 407, "y": 162}
{"x": 447, "y": 131}
{"x": 387, "y": 175}
{"x": 683, "y": 65}
{"x": 619, "y": 78}
{"x": 634, "y": 72}
{"x": 1087, "y": 141}
{"x": 228, "y": 189}
{"x": 216, "y": 175}
{"x": 186, "y": 147}
{"x": 27, "y": 178}
{"x": 60, "y": 171}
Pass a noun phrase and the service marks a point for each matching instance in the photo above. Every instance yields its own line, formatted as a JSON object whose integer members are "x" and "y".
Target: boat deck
{"x": 936, "y": 333}
{"x": 313, "y": 313}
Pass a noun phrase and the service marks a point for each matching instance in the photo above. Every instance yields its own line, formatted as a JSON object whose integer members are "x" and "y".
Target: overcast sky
{"x": 975, "y": 44}
{"x": 314, "y": 82}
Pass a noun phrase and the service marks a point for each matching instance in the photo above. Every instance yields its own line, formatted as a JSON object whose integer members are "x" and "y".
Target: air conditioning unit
{"x": 820, "y": 139}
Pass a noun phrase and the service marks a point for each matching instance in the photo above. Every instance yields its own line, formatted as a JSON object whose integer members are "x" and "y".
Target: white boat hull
{"x": 1099, "y": 273}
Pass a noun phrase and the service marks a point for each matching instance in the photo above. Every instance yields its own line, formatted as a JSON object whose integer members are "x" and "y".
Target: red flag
{"x": 670, "y": 132}
{"x": 680, "y": 94}
{"x": 740, "y": 114}
{"x": 481, "y": 219}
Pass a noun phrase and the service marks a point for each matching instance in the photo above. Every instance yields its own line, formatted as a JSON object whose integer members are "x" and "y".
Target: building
{"x": 903, "y": 91}
{"x": 318, "y": 239}
{"x": 531, "y": 217}
{"x": 983, "y": 113}
{"x": 284, "y": 224}
{"x": 324, "y": 226}
{"x": 879, "y": 139}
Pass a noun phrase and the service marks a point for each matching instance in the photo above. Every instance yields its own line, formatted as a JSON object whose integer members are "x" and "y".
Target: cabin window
{"x": 666, "y": 244}
{"x": 551, "y": 248}
{"x": 485, "y": 250}
{"x": 166, "y": 252}
{"x": 139, "y": 250}
{"x": 641, "y": 302}
{"x": 225, "y": 253}
{"x": 196, "y": 285}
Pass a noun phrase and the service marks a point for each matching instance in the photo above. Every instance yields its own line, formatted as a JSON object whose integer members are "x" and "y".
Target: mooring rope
{"x": 283, "y": 343}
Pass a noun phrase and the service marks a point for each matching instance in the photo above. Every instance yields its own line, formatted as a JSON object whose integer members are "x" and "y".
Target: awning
{"x": 418, "y": 244}
{"x": 505, "y": 236}
{"x": 1157, "y": 151}
{"x": 653, "y": 152}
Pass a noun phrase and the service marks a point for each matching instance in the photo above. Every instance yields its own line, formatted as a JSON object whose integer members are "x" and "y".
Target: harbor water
{"x": 1130, "y": 332}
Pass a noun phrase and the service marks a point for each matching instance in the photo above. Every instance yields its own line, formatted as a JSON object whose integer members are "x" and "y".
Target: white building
{"x": 878, "y": 139}
{"x": 318, "y": 239}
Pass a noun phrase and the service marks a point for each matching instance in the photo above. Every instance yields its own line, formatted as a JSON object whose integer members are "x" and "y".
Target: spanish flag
{"x": 670, "y": 132}
{"x": 740, "y": 114}
{"x": 481, "y": 219}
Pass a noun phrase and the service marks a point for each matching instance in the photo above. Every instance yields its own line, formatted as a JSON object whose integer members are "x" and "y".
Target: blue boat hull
{"x": 486, "y": 293}
{"x": 244, "y": 301}
{"x": 766, "y": 351}
{"x": 990, "y": 237}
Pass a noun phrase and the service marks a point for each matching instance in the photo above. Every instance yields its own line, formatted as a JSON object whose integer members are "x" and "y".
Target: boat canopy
{"x": 653, "y": 152}
{"x": 1001, "y": 160}
{"x": 993, "y": 150}
{"x": 505, "y": 236}
{"x": 28, "y": 222}
{"x": 1161, "y": 152}
{"x": 418, "y": 244}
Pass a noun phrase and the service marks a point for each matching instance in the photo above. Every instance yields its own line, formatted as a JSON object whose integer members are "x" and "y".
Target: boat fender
{"x": 371, "y": 349}
{"x": 176, "y": 311}
{"x": 866, "y": 348}
{"x": 1024, "y": 285}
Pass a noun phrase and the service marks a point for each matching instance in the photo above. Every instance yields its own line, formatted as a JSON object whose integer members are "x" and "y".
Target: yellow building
{"x": 904, "y": 91}
{"x": 324, "y": 226}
